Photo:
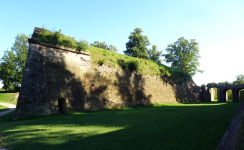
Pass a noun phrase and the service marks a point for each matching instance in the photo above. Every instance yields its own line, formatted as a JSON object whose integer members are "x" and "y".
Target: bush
{"x": 56, "y": 36}
{"x": 60, "y": 39}
{"x": 133, "y": 65}
{"x": 101, "y": 62}
{"x": 81, "y": 46}
{"x": 212, "y": 85}
{"x": 123, "y": 64}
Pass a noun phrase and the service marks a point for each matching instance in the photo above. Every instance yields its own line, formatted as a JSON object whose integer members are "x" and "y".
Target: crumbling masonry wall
{"x": 60, "y": 80}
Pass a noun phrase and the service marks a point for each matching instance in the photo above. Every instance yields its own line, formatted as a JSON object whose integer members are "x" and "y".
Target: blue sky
{"x": 217, "y": 25}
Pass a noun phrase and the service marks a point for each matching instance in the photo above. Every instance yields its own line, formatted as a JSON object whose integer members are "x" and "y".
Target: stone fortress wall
{"x": 61, "y": 80}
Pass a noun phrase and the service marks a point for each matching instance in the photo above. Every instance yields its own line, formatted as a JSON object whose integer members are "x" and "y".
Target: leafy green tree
{"x": 84, "y": 41}
{"x": 112, "y": 48}
{"x": 137, "y": 44}
{"x": 99, "y": 44}
{"x": 13, "y": 63}
{"x": 154, "y": 54}
{"x": 239, "y": 79}
{"x": 184, "y": 55}
{"x": 8, "y": 74}
{"x": 212, "y": 85}
{"x": 81, "y": 46}
{"x": 104, "y": 46}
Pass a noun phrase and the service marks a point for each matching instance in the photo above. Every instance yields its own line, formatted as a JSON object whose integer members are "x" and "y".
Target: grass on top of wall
{"x": 160, "y": 126}
{"x": 140, "y": 66}
{"x": 58, "y": 38}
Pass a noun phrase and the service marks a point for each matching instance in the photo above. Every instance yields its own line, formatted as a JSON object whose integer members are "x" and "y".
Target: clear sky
{"x": 217, "y": 25}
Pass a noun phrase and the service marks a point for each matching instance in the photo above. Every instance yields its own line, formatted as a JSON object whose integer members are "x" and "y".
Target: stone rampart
{"x": 60, "y": 80}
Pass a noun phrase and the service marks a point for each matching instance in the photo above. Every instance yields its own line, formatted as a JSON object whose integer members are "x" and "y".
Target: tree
{"x": 137, "y": 44}
{"x": 84, "y": 41}
{"x": 239, "y": 79}
{"x": 104, "y": 46}
{"x": 99, "y": 44}
{"x": 184, "y": 55}
{"x": 13, "y": 63}
{"x": 8, "y": 74}
{"x": 112, "y": 48}
{"x": 154, "y": 55}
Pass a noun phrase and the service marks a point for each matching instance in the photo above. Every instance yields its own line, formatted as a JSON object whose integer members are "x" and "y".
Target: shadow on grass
{"x": 3, "y": 109}
{"x": 167, "y": 126}
{"x": 9, "y": 91}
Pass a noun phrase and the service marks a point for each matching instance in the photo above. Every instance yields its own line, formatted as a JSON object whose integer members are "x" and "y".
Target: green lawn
{"x": 3, "y": 108}
{"x": 165, "y": 126}
{"x": 8, "y": 97}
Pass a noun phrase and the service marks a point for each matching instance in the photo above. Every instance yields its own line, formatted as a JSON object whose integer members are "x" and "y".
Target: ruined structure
{"x": 209, "y": 93}
{"x": 222, "y": 92}
{"x": 61, "y": 80}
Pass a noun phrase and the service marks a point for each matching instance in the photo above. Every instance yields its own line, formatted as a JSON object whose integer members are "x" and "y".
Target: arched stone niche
{"x": 63, "y": 103}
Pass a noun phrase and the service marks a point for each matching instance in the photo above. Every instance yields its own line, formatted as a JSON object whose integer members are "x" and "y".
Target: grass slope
{"x": 122, "y": 62}
{"x": 166, "y": 126}
{"x": 8, "y": 97}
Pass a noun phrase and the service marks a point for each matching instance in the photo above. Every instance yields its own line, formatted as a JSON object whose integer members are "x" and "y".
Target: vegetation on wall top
{"x": 239, "y": 81}
{"x": 122, "y": 62}
{"x": 137, "y": 44}
{"x": 104, "y": 46}
{"x": 137, "y": 65}
{"x": 59, "y": 39}
{"x": 99, "y": 56}
{"x": 184, "y": 55}
{"x": 154, "y": 54}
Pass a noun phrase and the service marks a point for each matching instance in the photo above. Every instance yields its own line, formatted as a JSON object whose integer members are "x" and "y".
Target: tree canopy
{"x": 184, "y": 55}
{"x": 154, "y": 54}
{"x": 137, "y": 44}
{"x": 239, "y": 79}
{"x": 104, "y": 46}
{"x": 13, "y": 63}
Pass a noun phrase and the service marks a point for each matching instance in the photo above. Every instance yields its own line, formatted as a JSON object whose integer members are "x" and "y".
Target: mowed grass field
{"x": 161, "y": 126}
{"x": 8, "y": 97}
